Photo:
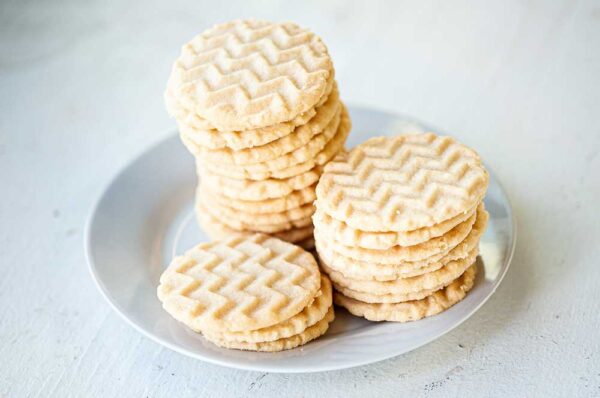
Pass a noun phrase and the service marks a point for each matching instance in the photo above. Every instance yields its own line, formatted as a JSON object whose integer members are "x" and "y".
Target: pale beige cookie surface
{"x": 385, "y": 272}
{"x": 287, "y": 343}
{"x": 259, "y": 189}
{"x": 309, "y": 316}
{"x": 293, "y": 200}
{"x": 300, "y": 136}
{"x": 197, "y": 132}
{"x": 299, "y": 155}
{"x": 429, "y": 281}
{"x": 407, "y": 311}
{"x": 348, "y": 236}
{"x": 203, "y": 133}
{"x": 402, "y": 183}
{"x": 217, "y": 230}
{"x": 229, "y": 213}
{"x": 245, "y": 282}
{"x": 259, "y": 171}
{"x": 431, "y": 250}
{"x": 243, "y": 226}
{"x": 247, "y": 74}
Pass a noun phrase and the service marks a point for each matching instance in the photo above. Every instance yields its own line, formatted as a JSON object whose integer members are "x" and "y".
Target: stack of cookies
{"x": 249, "y": 292}
{"x": 398, "y": 225}
{"x": 257, "y": 104}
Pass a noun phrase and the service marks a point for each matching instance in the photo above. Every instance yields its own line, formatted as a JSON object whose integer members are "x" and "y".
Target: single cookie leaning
{"x": 249, "y": 74}
{"x": 402, "y": 183}
{"x": 246, "y": 282}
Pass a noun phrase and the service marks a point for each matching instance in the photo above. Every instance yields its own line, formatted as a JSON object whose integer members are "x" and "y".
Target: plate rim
{"x": 92, "y": 269}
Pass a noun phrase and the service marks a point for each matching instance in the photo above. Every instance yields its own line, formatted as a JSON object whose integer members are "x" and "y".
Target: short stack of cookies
{"x": 398, "y": 225}
{"x": 257, "y": 104}
{"x": 249, "y": 292}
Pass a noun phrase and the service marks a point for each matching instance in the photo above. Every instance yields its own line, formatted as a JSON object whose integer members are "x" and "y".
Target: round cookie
{"x": 217, "y": 230}
{"x": 306, "y": 318}
{"x": 245, "y": 282}
{"x": 260, "y": 172}
{"x": 430, "y": 281}
{"x": 348, "y": 236}
{"x": 247, "y": 74}
{"x": 402, "y": 183}
{"x": 293, "y": 200}
{"x": 291, "y": 142}
{"x": 197, "y": 132}
{"x": 256, "y": 190}
{"x": 433, "y": 304}
{"x": 431, "y": 250}
{"x": 227, "y": 213}
{"x": 286, "y": 343}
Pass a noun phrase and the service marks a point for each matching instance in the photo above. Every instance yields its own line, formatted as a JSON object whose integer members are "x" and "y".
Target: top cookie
{"x": 242, "y": 283}
{"x": 248, "y": 74}
{"x": 402, "y": 183}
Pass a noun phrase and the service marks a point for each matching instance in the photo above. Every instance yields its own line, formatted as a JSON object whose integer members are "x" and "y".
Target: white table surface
{"x": 81, "y": 93}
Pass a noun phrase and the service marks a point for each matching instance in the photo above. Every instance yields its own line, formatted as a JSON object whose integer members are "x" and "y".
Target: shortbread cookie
{"x": 402, "y": 183}
{"x": 341, "y": 232}
{"x": 295, "y": 199}
{"x": 431, "y": 250}
{"x": 245, "y": 282}
{"x": 309, "y": 316}
{"x": 385, "y": 272}
{"x": 260, "y": 172}
{"x": 217, "y": 230}
{"x": 248, "y": 74}
{"x": 226, "y": 212}
{"x": 325, "y": 118}
{"x": 253, "y": 137}
{"x": 289, "y": 150}
{"x": 256, "y": 190}
{"x": 407, "y": 311}
{"x": 286, "y": 343}
{"x": 199, "y": 133}
{"x": 269, "y": 228}
{"x": 431, "y": 281}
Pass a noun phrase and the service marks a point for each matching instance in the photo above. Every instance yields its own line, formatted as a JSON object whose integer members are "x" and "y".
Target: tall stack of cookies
{"x": 249, "y": 292}
{"x": 398, "y": 225}
{"x": 257, "y": 104}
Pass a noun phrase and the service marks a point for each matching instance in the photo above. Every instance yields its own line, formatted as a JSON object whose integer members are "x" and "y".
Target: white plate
{"x": 144, "y": 217}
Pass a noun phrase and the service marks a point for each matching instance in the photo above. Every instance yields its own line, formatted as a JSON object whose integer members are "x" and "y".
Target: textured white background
{"x": 81, "y": 93}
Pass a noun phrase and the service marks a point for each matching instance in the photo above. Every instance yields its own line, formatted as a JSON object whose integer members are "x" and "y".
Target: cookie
{"x": 431, "y": 250}
{"x": 245, "y": 282}
{"x": 286, "y": 343}
{"x": 217, "y": 230}
{"x": 227, "y": 213}
{"x": 291, "y": 201}
{"x": 256, "y": 190}
{"x": 199, "y": 133}
{"x": 348, "y": 236}
{"x": 260, "y": 171}
{"x": 402, "y": 183}
{"x": 306, "y": 318}
{"x": 269, "y": 228}
{"x": 299, "y": 137}
{"x": 433, "y": 304}
{"x": 248, "y": 74}
{"x": 430, "y": 281}
{"x": 385, "y": 272}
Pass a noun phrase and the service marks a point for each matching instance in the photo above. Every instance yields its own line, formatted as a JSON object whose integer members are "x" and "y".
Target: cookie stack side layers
{"x": 257, "y": 104}
{"x": 398, "y": 223}
{"x": 250, "y": 292}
